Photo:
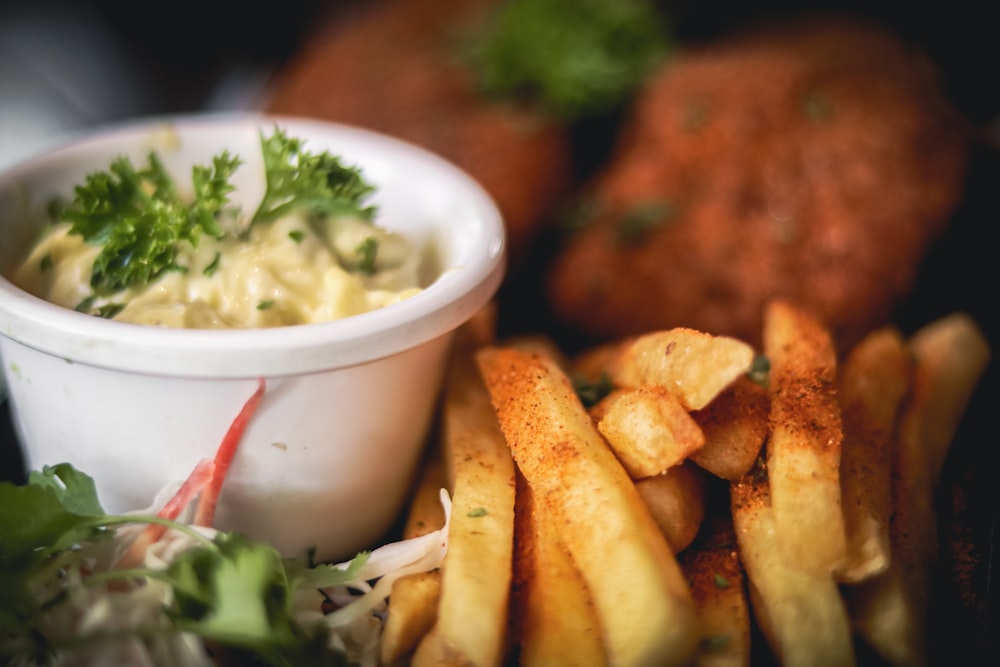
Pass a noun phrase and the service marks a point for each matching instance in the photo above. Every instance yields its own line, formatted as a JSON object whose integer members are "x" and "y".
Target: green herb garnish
{"x": 641, "y": 219}
{"x": 141, "y": 222}
{"x": 590, "y": 393}
{"x": 317, "y": 182}
{"x": 228, "y": 591}
{"x": 760, "y": 370}
{"x": 366, "y": 251}
{"x": 714, "y": 642}
{"x": 818, "y": 106}
{"x": 213, "y": 265}
{"x": 575, "y": 58}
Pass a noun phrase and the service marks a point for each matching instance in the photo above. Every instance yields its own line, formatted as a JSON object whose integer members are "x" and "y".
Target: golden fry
{"x": 891, "y": 610}
{"x": 693, "y": 365}
{"x": 412, "y": 613}
{"x": 803, "y": 453}
{"x": 554, "y": 619}
{"x": 874, "y": 380}
{"x": 953, "y": 354}
{"x": 676, "y": 499}
{"x": 641, "y": 597}
{"x": 713, "y": 567}
{"x": 648, "y": 429}
{"x": 414, "y": 598}
{"x": 735, "y": 425}
{"x": 599, "y": 360}
{"x": 798, "y": 608}
{"x": 476, "y": 573}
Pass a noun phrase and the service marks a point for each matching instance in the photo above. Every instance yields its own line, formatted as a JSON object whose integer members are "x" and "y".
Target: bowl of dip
{"x": 347, "y": 319}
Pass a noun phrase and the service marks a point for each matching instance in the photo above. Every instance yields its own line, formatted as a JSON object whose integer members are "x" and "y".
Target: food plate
{"x": 956, "y": 276}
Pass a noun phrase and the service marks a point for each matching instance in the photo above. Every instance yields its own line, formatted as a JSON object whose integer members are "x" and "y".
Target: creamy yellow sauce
{"x": 286, "y": 272}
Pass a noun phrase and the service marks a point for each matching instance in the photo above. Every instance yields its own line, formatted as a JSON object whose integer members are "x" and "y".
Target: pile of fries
{"x": 586, "y": 531}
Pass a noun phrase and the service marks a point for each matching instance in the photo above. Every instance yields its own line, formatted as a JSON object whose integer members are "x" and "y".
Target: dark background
{"x": 69, "y": 66}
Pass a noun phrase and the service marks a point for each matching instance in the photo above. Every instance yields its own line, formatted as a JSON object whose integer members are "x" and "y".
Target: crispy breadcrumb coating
{"x": 815, "y": 159}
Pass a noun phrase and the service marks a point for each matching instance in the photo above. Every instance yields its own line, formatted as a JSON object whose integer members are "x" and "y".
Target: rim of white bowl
{"x": 210, "y": 353}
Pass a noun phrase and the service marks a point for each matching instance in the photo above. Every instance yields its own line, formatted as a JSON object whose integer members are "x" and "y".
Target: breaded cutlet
{"x": 815, "y": 159}
{"x": 394, "y": 66}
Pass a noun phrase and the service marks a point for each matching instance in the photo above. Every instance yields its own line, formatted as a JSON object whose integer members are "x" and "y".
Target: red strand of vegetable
{"x": 195, "y": 482}
{"x": 204, "y": 513}
{"x": 206, "y": 479}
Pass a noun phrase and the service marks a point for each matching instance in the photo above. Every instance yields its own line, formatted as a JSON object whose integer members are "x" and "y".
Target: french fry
{"x": 414, "y": 598}
{"x": 693, "y": 365}
{"x": 873, "y": 382}
{"x": 412, "y": 612}
{"x": 953, "y": 354}
{"x": 540, "y": 343}
{"x": 554, "y": 619}
{"x": 890, "y": 611}
{"x": 642, "y": 600}
{"x": 798, "y": 608}
{"x": 648, "y": 429}
{"x": 599, "y": 359}
{"x": 476, "y": 573}
{"x": 676, "y": 499}
{"x": 713, "y": 567}
{"x": 735, "y": 425}
{"x": 803, "y": 452}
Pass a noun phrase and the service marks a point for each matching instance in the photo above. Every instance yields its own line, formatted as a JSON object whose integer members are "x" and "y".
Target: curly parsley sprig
{"x": 574, "y": 58}
{"x": 318, "y": 182}
{"x": 140, "y": 221}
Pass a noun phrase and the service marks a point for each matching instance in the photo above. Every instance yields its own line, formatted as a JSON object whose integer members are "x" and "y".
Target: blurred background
{"x": 68, "y": 65}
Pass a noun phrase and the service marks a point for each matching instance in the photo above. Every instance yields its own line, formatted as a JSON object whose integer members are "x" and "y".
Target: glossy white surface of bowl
{"x": 328, "y": 459}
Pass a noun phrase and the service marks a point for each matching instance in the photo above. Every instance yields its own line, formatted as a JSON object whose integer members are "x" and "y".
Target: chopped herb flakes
{"x": 760, "y": 370}
{"x": 590, "y": 393}
{"x": 641, "y": 219}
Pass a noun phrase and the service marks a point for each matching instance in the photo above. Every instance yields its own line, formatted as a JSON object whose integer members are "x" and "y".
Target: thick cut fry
{"x": 554, "y": 619}
{"x": 803, "y": 453}
{"x": 412, "y": 612}
{"x": 874, "y": 380}
{"x": 642, "y": 599}
{"x": 648, "y": 429}
{"x": 541, "y": 343}
{"x": 599, "y": 360}
{"x": 693, "y": 365}
{"x": 735, "y": 425}
{"x": 676, "y": 499}
{"x": 953, "y": 354}
{"x": 798, "y": 608}
{"x": 414, "y": 598}
{"x": 713, "y": 567}
{"x": 891, "y": 610}
{"x": 476, "y": 573}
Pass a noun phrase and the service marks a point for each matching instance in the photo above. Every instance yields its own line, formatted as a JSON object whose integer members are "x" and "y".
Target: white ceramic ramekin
{"x": 327, "y": 461}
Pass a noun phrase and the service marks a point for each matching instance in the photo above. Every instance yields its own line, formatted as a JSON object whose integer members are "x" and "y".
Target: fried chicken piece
{"x": 394, "y": 66}
{"x": 816, "y": 159}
